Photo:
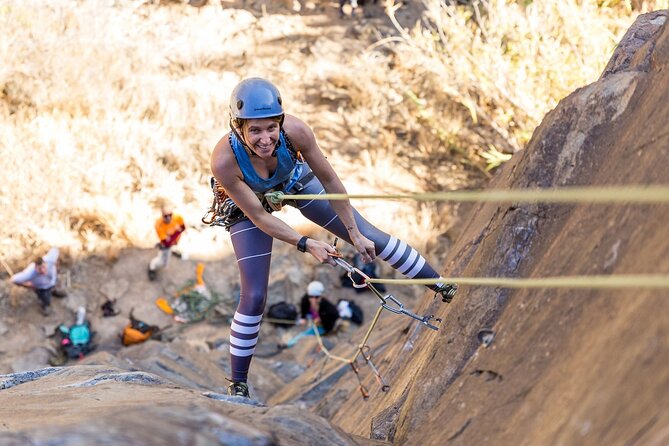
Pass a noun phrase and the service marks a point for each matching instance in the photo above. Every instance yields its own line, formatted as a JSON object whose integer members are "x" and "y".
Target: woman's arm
{"x": 304, "y": 139}
{"x": 225, "y": 169}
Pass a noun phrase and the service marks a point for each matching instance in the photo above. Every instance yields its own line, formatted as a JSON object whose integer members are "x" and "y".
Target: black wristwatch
{"x": 302, "y": 244}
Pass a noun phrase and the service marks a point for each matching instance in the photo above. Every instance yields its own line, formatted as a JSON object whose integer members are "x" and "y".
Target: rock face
{"x": 564, "y": 366}
{"x": 104, "y": 404}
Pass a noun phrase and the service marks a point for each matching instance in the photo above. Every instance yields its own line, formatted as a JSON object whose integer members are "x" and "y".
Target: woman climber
{"x": 268, "y": 150}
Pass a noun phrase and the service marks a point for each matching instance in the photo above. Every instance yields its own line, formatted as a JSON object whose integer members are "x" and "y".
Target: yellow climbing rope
{"x": 613, "y": 281}
{"x": 360, "y": 351}
{"x": 594, "y": 194}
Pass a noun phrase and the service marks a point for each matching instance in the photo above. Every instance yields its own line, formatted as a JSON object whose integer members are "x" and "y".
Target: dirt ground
{"x": 120, "y": 275}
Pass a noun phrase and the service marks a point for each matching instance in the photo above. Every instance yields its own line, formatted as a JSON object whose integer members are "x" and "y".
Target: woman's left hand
{"x": 364, "y": 246}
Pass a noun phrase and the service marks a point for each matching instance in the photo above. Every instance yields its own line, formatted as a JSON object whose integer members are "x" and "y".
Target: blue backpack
{"x": 76, "y": 340}
{"x": 80, "y": 334}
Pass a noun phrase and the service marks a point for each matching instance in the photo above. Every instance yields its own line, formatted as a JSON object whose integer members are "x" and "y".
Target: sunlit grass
{"x": 108, "y": 107}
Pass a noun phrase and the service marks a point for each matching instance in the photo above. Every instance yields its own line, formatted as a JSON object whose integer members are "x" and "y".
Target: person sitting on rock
{"x": 269, "y": 150}
{"x": 41, "y": 276}
{"x": 317, "y": 309}
{"x": 169, "y": 227}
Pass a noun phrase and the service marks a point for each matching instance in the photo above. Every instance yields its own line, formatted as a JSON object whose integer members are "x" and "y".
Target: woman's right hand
{"x": 321, "y": 251}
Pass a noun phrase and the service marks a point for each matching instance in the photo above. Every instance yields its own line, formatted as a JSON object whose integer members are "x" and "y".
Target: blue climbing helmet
{"x": 255, "y": 98}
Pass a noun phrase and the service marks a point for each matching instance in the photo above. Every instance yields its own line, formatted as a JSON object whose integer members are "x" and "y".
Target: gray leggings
{"x": 253, "y": 250}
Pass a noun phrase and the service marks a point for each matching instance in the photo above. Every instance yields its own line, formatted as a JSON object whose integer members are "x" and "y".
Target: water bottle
{"x": 81, "y": 315}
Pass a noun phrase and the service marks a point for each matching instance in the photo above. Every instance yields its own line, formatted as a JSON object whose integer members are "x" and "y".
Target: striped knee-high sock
{"x": 408, "y": 261}
{"x": 243, "y": 339}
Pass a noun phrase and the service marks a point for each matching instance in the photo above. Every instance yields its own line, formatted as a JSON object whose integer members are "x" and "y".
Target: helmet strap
{"x": 241, "y": 138}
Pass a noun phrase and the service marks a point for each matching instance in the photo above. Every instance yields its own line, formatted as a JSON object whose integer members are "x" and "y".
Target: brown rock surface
{"x": 566, "y": 366}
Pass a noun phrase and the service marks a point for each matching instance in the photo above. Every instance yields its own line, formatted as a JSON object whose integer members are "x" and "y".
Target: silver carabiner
{"x": 425, "y": 320}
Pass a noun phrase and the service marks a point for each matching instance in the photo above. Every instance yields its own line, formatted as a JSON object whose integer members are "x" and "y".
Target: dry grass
{"x": 107, "y": 107}
{"x": 504, "y": 64}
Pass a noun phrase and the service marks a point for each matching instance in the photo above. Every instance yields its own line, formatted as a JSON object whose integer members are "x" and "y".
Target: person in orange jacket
{"x": 169, "y": 228}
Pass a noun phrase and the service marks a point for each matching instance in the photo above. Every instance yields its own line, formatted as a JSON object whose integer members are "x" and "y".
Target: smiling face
{"x": 261, "y": 135}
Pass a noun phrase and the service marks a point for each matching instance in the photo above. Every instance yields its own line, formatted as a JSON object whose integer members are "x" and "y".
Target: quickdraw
{"x": 395, "y": 306}
{"x": 388, "y": 302}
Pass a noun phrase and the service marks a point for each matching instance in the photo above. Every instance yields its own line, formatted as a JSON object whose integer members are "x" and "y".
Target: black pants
{"x": 44, "y": 296}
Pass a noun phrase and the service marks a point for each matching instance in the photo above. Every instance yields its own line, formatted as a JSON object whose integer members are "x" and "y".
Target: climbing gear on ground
{"x": 238, "y": 389}
{"x": 193, "y": 302}
{"x": 349, "y": 310}
{"x": 74, "y": 342}
{"x": 283, "y": 313}
{"x": 302, "y": 244}
{"x": 164, "y": 305}
{"x": 59, "y": 293}
{"x": 137, "y": 331}
{"x": 447, "y": 292}
{"x": 108, "y": 309}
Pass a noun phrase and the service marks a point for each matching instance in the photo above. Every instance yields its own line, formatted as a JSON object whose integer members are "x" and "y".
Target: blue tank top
{"x": 286, "y": 173}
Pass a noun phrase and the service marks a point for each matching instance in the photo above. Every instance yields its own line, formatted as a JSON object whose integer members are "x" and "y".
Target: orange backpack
{"x": 137, "y": 331}
{"x": 134, "y": 336}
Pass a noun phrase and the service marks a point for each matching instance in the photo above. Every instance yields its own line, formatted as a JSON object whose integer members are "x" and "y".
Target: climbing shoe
{"x": 152, "y": 274}
{"x": 238, "y": 389}
{"x": 447, "y": 292}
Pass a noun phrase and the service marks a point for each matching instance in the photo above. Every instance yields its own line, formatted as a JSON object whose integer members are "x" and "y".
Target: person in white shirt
{"x": 40, "y": 276}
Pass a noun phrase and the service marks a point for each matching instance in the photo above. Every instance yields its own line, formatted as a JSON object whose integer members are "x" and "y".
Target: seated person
{"x": 318, "y": 309}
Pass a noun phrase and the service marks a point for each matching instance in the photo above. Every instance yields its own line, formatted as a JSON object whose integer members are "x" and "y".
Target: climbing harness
{"x": 222, "y": 210}
{"x": 225, "y": 212}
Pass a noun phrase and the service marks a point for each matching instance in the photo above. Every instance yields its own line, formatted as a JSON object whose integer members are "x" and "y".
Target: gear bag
{"x": 137, "y": 331}
{"x": 283, "y": 311}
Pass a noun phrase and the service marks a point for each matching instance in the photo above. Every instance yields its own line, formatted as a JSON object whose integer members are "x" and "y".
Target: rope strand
{"x": 612, "y": 194}
{"x": 600, "y": 282}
